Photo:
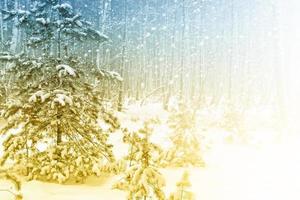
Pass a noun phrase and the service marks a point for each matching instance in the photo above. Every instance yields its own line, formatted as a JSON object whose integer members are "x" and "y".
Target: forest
{"x": 149, "y": 99}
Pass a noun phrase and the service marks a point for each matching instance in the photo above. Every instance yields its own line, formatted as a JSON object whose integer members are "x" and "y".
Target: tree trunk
{"x": 59, "y": 38}
{"x": 59, "y": 128}
{"x": 15, "y": 32}
{"x": 121, "y": 89}
{"x": 182, "y": 63}
{"x": 1, "y": 28}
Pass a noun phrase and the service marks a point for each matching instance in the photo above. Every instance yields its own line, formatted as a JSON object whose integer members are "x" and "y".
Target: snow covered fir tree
{"x": 186, "y": 145}
{"x": 52, "y": 100}
{"x": 182, "y": 192}
{"x": 149, "y": 99}
{"x": 142, "y": 179}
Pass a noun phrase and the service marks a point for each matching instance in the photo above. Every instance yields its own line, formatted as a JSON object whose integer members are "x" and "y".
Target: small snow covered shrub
{"x": 115, "y": 167}
{"x": 185, "y": 149}
{"x": 16, "y": 192}
{"x": 142, "y": 180}
{"x": 233, "y": 121}
{"x": 134, "y": 139}
{"x": 182, "y": 192}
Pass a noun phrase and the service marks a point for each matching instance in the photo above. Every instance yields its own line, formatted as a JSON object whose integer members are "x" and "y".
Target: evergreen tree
{"x": 182, "y": 192}
{"x": 133, "y": 139}
{"x": 58, "y": 108}
{"x": 185, "y": 149}
{"x": 142, "y": 179}
{"x": 233, "y": 121}
{"x": 55, "y": 103}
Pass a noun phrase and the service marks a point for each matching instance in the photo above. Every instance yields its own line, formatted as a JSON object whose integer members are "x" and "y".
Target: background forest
{"x": 202, "y": 49}
{"x": 148, "y": 99}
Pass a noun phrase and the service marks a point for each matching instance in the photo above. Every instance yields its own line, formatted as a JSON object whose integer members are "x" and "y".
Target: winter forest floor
{"x": 234, "y": 170}
{"x": 234, "y": 173}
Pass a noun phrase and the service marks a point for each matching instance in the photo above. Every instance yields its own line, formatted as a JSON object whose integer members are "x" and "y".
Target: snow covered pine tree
{"x": 185, "y": 149}
{"x": 142, "y": 179}
{"x": 182, "y": 192}
{"x": 53, "y": 105}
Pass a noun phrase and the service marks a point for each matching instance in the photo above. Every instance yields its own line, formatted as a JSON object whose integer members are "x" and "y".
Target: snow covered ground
{"x": 233, "y": 171}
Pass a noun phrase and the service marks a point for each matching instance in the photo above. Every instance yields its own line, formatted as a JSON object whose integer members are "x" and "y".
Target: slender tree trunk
{"x": 59, "y": 134}
{"x": 1, "y": 27}
{"x": 231, "y": 53}
{"x": 59, "y": 128}
{"x": 182, "y": 63}
{"x": 4, "y": 31}
{"x": 121, "y": 89}
{"x": 15, "y": 32}
{"x": 171, "y": 73}
{"x": 27, "y": 155}
{"x": 59, "y": 38}
{"x": 181, "y": 194}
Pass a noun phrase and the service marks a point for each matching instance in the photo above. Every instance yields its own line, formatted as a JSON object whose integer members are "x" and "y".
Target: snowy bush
{"x": 142, "y": 179}
{"x": 185, "y": 149}
{"x": 182, "y": 192}
{"x": 233, "y": 121}
{"x": 135, "y": 140}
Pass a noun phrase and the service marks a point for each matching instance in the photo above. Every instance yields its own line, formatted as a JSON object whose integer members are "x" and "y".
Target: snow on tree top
{"x": 109, "y": 74}
{"x": 64, "y": 6}
{"x": 34, "y": 40}
{"x": 42, "y": 20}
{"x": 63, "y": 99}
{"x": 116, "y": 75}
{"x": 7, "y": 57}
{"x": 57, "y": 91}
{"x": 102, "y": 35}
{"x": 65, "y": 9}
{"x": 59, "y": 97}
{"x": 65, "y": 70}
{"x": 39, "y": 95}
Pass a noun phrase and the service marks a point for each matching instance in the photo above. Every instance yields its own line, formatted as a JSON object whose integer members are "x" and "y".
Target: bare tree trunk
{"x": 1, "y": 28}
{"x": 182, "y": 59}
{"x": 231, "y": 55}
{"x": 59, "y": 129}
{"x": 15, "y": 32}
{"x": 59, "y": 39}
{"x": 4, "y": 25}
{"x": 172, "y": 60}
{"x": 121, "y": 89}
